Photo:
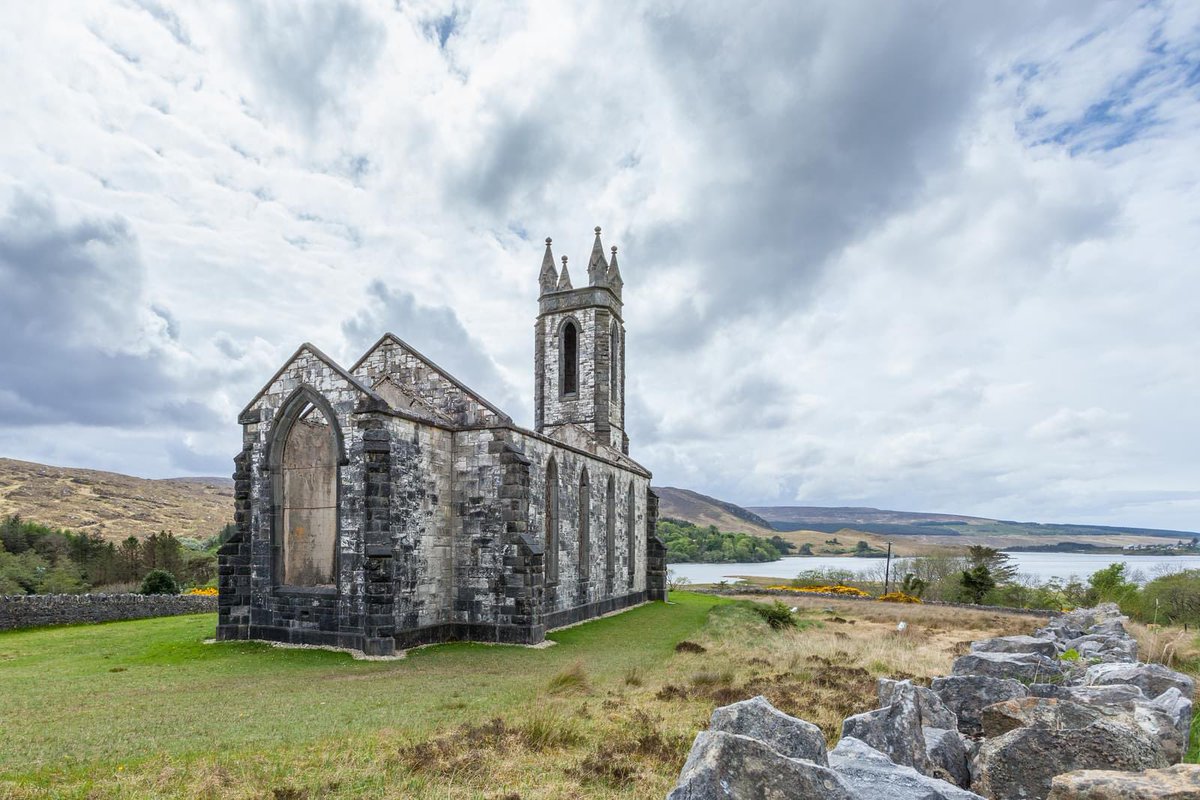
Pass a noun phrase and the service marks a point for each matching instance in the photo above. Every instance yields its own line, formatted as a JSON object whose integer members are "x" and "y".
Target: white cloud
{"x": 937, "y": 258}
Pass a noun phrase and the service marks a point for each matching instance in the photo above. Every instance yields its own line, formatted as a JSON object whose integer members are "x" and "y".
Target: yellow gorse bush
{"x": 845, "y": 591}
{"x": 207, "y": 591}
{"x": 897, "y": 597}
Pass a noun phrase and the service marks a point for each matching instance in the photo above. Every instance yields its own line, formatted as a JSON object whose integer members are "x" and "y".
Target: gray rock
{"x": 934, "y": 713}
{"x": 1178, "y": 708}
{"x": 948, "y": 755}
{"x": 967, "y": 695}
{"x": 871, "y": 775}
{"x": 723, "y": 765}
{"x": 1112, "y": 627}
{"x": 1020, "y": 764}
{"x": 1027, "y": 667}
{"x": 1181, "y": 782}
{"x": 1109, "y": 648}
{"x": 760, "y": 720}
{"x": 895, "y": 730}
{"x": 1117, "y": 694}
{"x": 1153, "y": 679}
{"x": 1017, "y": 644}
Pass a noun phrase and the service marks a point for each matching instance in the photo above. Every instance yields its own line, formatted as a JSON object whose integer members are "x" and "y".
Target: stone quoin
{"x": 388, "y": 505}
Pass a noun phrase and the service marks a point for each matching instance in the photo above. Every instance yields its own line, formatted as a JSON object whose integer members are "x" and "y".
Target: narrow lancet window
{"x": 614, "y": 360}
{"x": 631, "y": 533}
{"x": 551, "y": 561}
{"x": 309, "y": 507}
{"x": 570, "y": 358}
{"x": 585, "y": 524}
{"x": 610, "y": 531}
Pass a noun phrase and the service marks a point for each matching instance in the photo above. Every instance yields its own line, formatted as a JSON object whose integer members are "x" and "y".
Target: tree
{"x": 912, "y": 585}
{"x": 158, "y": 581}
{"x": 806, "y": 549}
{"x": 1110, "y": 584}
{"x": 977, "y": 582}
{"x": 862, "y": 548}
{"x": 999, "y": 565}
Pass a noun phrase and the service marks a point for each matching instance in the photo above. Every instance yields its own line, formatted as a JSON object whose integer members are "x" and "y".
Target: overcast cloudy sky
{"x": 928, "y": 256}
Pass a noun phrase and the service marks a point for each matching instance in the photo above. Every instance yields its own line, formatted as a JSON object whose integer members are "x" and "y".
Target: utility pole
{"x": 887, "y": 572}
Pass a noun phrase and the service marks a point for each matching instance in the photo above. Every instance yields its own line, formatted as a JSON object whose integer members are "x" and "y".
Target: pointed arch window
{"x": 551, "y": 561}
{"x": 631, "y": 533}
{"x": 610, "y": 531}
{"x": 585, "y": 524}
{"x": 569, "y": 347}
{"x": 614, "y": 360}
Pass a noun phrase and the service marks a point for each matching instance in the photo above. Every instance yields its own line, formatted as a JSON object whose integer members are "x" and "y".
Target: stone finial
{"x": 597, "y": 265}
{"x": 564, "y": 278}
{"x": 613, "y": 276}
{"x": 548, "y": 279}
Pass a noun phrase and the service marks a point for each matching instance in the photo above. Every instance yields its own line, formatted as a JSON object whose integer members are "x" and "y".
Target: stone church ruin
{"x": 388, "y": 505}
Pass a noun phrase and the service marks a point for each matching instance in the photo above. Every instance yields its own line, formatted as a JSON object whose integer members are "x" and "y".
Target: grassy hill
{"x": 115, "y": 506}
{"x": 702, "y": 510}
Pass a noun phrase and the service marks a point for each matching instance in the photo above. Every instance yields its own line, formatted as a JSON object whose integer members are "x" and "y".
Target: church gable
{"x": 309, "y": 367}
{"x": 436, "y": 391}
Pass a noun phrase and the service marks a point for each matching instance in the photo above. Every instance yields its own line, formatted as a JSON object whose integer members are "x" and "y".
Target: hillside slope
{"x": 113, "y": 505}
{"x": 700, "y": 509}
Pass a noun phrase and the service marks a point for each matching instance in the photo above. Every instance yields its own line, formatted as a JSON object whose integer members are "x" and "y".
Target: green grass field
{"x": 84, "y": 708}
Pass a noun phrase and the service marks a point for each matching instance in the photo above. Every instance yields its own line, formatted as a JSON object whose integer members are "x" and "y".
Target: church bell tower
{"x": 579, "y": 349}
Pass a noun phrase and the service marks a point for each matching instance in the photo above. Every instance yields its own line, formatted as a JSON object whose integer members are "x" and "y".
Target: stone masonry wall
{"x": 37, "y": 610}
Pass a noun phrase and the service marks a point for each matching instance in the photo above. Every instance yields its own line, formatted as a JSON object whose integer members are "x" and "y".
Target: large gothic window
{"x": 585, "y": 524}
{"x": 551, "y": 561}
{"x": 309, "y": 476}
{"x": 569, "y": 348}
{"x": 610, "y": 531}
{"x": 631, "y": 533}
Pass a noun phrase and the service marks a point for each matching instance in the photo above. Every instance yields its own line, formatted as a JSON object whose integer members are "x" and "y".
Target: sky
{"x": 926, "y": 256}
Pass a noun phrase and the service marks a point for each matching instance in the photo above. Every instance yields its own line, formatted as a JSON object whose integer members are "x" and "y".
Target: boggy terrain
{"x": 145, "y": 708}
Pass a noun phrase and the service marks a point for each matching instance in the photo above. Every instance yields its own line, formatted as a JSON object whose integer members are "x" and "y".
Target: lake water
{"x": 1041, "y": 566}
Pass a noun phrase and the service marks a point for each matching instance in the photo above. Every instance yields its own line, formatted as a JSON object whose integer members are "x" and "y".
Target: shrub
{"x": 777, "y": 615}
{"x": 840, "y": 589}
{"x": 898, "y": 597}
{"x": 1070, "y": 655}
{"x": 207, "y": 591}
{"x": 159, "y": 581}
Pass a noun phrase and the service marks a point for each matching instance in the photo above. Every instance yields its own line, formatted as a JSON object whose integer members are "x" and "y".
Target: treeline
{"x": 36, "y": 559}
{"x": 987, "y": 576}
{"x": 688, "y": 543}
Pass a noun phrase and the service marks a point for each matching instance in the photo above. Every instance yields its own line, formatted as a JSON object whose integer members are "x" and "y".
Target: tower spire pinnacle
{"x": 548, "y": 279}
{"x": 613, "y": 278}
{"x": 597, "y": 265}
{"x": 564, "y": 278}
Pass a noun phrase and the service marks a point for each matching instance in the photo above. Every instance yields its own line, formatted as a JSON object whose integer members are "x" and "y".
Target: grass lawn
{"x": 145, "y": 709}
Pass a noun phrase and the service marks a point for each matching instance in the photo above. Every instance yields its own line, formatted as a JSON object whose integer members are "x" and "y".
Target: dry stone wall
{"x": 38, "y": 610}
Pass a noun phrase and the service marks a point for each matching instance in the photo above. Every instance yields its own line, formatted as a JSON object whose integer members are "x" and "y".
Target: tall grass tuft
{"x": 572, "y": 679}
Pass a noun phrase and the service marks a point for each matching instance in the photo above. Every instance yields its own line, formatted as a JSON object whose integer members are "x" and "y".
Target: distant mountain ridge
{"x": 902, "y": 523}
{"x": 700, "y": 509}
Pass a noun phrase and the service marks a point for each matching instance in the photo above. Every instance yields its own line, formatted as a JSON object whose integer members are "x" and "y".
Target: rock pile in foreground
{"x": 1014, "y": 721}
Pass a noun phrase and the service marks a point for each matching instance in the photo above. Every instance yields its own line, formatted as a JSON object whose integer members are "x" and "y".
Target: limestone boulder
{"x": 1110, "y": 627}
{"x": 1115, "y": 694}
{"x": 894, "y": 730}
{"x": 1178, "y": 709}
{"x": 934, "y": 713}
{"x": 758, "y": 719}
{"x": 1027, "y": 667}
{"x": 1152, "y": 679}
{"x": 723, "y": 765}
{"x": 871, "y": 775}
{"x": 967, "y": 695}
{"x": 1181, "y": 782}
{"x": 948, "y": 757}
{"x": 1017, "y": 644}
{"x": 1104, "y": 647}
{"x": 1020, "y": 764}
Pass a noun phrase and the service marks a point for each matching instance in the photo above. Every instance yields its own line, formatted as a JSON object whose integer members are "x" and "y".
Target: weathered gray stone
{"x": 722, "y": 766}
{"x": 894, "y": 730}
{"x": 1181, "y": 782}
{"x": 934, "y": 713}
{"x": 1104, "y": 646}
{"x": 1017, "y": 644}
{"x": 967, "y": 695}
{"x": 1115, "y": 694}
{"x": 871, "y": 775}
{"x": 948, "y": 755}
{"x": 758, "y": 719}
{"x": 1021, "y": 764}
{"x": 1110, "y": 627}
{"x": 1026, "y": 667}
{"x": 1153, "y": 679}
{"x": 1178, "y": 708}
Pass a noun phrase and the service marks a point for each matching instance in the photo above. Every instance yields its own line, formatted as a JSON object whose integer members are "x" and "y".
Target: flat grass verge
{"x": 145, "y": 709}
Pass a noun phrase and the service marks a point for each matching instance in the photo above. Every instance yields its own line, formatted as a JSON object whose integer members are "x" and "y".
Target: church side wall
{"x": 573, "y": 590}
